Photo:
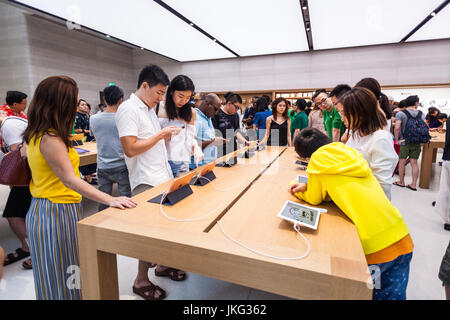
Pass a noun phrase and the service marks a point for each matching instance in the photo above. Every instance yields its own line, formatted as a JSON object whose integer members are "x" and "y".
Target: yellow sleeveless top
{"x": 44, "y": 182}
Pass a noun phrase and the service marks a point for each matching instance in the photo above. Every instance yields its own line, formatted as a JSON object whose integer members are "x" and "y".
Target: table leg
{"x": 99, "y": 279}
{"x": 434, "y": 155}
{"x": 425, "y": 166}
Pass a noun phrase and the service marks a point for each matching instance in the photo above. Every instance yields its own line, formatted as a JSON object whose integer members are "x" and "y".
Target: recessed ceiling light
{"x": 108, "y": 36}
{"x": 215, "y": 40}
{"x": 191, "y": 24}
{"x": 305, "y": 7}
{"x": 307, "y": 29}
{"x": 142, "y": 48}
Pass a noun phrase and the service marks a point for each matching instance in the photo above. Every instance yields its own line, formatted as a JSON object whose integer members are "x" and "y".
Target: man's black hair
{"x": 301, "y": 104}
{"x": 411, "y": 100}
{"x": 112, "y": 95}
{"x": 14, "y": 97}
{"x": 339, "y": 90}
{"x": 308, "y": 140}
{"x": 153, "y": 75}
{"x": 317, "y": 92}
{"x": 233, "y": 98}
{"x": 401, "y": 104}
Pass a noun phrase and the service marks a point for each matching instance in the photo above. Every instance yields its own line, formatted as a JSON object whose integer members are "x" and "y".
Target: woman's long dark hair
{"x": 179, "y": 83}
{"x": 362, "y": 112}
{"x": 274, "y": 108}
{"x": 52, "y": 110}
{"x": 262, "y": 104}
{"x": 374, "y": 86}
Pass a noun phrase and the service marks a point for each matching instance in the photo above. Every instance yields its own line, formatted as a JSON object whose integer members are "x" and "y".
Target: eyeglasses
{"x": 237, "y": 107}
{"x": 322, "y": 101}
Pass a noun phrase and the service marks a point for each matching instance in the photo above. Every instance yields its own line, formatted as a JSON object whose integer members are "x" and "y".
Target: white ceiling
{"x": 351, "y": 23}
{"x": 251, "y": 27}
{"x": 437, "y": 28}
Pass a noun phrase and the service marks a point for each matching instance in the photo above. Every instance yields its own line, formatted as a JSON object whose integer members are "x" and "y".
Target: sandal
{"x": 20, "y": 255}
{"x": 409, "y": 187}
{"x": 171, "y": 273}
{"x": 152, "y": 290}
{"x": 398, "y": 184}
{"x": 27, "y": 264}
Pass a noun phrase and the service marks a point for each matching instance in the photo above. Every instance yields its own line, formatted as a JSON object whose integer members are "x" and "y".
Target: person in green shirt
{"x": 332, "y": 121}
{"x": 300, "y": 119}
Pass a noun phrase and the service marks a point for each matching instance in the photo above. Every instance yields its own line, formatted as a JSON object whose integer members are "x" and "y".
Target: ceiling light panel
{"x": 437, "y": 27}
{"x": 351, "y": 23}
{"x": 143, "y": 23}
{"x": 249, "y": 27}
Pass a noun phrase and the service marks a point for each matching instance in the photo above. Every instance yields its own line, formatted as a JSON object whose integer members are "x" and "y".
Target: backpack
{"x": 416, "y": 130}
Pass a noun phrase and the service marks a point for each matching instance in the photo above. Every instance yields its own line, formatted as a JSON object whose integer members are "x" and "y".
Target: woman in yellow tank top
{"x": 56, "y": 188}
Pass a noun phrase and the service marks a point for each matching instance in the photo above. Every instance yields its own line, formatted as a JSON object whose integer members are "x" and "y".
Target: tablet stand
{"x": 77, "y": 143}
{"x": 174, "y": 196}
{"x": 202, "y": 180}
{"x": 227, "y": 164}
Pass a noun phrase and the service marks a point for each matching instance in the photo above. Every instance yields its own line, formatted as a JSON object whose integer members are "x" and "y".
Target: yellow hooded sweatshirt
{"x": 340, "y": 173}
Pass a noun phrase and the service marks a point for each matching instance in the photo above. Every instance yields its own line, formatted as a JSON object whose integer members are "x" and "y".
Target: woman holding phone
{"x": 177, "y": 111}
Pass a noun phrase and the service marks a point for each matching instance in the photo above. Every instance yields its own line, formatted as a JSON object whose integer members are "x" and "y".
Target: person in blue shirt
{"x": 262, "y": 112}
{"x": 205, "y": 133}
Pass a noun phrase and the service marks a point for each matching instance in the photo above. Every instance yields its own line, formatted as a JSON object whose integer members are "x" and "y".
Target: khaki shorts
{"x": 410, "y": 150}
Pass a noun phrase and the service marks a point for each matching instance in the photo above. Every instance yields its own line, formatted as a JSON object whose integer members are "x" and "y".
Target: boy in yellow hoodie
{"x": 340, "y": 174}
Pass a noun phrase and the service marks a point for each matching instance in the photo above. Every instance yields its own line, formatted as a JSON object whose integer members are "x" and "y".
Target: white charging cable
{"x": 296, "y": 228}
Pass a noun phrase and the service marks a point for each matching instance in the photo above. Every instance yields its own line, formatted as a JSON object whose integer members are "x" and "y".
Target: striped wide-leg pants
{"x": 52, "y": 236}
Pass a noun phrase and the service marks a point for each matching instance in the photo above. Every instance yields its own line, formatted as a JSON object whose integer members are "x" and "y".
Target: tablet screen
{"x": 303, "y": 215}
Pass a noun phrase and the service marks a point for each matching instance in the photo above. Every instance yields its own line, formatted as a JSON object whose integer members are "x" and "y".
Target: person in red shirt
{"x": 15, "y": 105}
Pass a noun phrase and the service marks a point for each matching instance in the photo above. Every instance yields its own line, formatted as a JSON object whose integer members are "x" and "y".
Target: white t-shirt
{"x": 12, "y": 130}
{"x": 179, "y": 147}
{"x": 378, "y": 150}
{"x": 134, "y": 118}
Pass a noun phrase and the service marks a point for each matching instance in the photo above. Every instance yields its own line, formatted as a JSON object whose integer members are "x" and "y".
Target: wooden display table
{"x": 336, "y": 268}
{"x": 88, "y": 157}
{"x": 429, "y": 151}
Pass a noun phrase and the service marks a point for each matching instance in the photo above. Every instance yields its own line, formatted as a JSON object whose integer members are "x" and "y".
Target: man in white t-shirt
{"x": 142, "y": 141}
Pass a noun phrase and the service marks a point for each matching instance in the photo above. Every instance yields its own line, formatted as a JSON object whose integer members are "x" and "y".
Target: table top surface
{"x": 246, "y": 198}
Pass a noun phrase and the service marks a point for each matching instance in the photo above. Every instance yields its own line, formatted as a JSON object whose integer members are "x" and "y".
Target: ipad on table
{"x": 300, "y": 214}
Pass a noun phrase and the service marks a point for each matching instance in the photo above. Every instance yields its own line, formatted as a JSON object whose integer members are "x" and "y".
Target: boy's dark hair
{"x": 308, "y": 140}
{"x": 153, "y": 75}
{"x": 301, "y": 104}
{"x": 309, "y": 104}
{"x": 401, "y": 104}
{"x": 233, "y": 98}
{"x": 411, "y": 100}
{"x": 112, "y": 95}
{"x": 339, "y": 90}
{"x": 14, "y": 97}
{"x": 317, "y": 92}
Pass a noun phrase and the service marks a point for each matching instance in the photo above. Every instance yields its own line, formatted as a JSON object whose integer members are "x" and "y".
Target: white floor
{"x": 430, "y": 240}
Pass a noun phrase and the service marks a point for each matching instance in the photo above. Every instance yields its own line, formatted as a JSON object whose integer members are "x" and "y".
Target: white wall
{"x": 14, "y": 52}
{"x": 397, "y": 64}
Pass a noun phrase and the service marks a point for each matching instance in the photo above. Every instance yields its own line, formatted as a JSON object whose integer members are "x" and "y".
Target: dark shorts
{"x": 410, "y": 150}
{"x": 391, "y": 278}
{"x": 444, "y": 271}
{"x": 18, "y": 203}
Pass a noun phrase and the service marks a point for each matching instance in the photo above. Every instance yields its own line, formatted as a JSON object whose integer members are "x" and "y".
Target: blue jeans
{"x": 179, "y": 167}
{"x": 106, "y": 178}
{"x": 391, "y": 278}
